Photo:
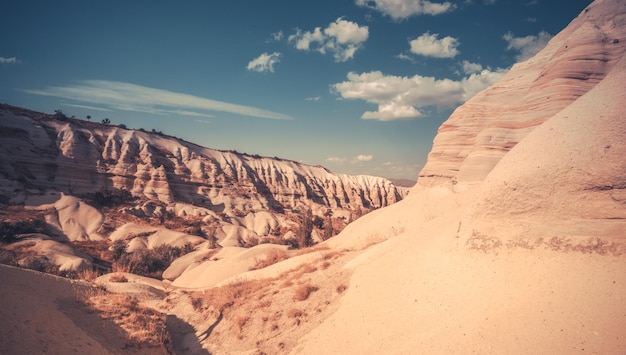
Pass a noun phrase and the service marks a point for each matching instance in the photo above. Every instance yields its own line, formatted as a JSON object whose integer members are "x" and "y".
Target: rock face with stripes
{"x": 79, "y": 157}
{"x": 481, "y": 131}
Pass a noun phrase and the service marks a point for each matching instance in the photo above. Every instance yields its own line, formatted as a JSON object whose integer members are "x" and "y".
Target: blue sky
{"x": 358, "y": 86}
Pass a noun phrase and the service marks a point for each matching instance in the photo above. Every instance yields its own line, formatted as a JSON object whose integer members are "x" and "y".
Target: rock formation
{"x": 79, "y": 157}
{"x": 481, "y": 131}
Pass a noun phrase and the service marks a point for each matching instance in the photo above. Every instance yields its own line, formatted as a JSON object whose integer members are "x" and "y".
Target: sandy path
{"x": 39, "y": 314}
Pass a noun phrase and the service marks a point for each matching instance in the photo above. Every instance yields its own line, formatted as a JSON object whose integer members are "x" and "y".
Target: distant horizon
{"x": 359, "y": 87}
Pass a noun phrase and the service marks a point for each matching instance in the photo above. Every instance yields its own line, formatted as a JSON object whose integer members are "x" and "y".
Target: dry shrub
{"x": 303, "y": 292}
{"x": 295, "y": 313}
{"x": 88, "y": 274}
{"x": 142, "y": 325}
{"x": 151, "y": 262}
{"x": 341, "y": 288}
{"x": 273, "y": 257}
{"x": 197, "y": 303}
{"x": 118, "y": 277}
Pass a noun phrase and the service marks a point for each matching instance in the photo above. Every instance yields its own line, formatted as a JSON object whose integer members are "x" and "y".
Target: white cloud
{"x": 401, "y": 97}
{"x": 131, "y": 97}
{"x": 429, "y": 45}
{"x": 264, "y": 63}
{"x": 405, "y": 57}
{"x": 278, "y": 36}
{"x": 364, "y": 157}
{"x": 335, "y": 160}
{"x": 489, "y": 2}
{"x": 341, "y": 38}
{"x": 470, "y": 68}
{"x": 527, "y": 46}
{"x": 11, "y": 60}
{"x": 402, "y": 9}
{"x": 316, "y": 98}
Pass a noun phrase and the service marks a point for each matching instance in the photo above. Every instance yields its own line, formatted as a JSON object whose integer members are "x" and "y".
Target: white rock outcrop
{"x": 80, "y": 157}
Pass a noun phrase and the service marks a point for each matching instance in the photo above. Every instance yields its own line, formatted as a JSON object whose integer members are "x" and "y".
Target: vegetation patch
{"x": 150, "y": 262}
{"x": 272, "y": 258}
{"x": 141, "y": 325}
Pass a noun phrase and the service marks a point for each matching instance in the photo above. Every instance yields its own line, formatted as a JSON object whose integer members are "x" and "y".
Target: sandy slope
{"x": 41, "y": 315}
{"x": 424, "y": 291}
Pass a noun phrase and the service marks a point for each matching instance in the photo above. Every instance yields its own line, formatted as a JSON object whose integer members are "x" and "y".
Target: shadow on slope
{"x": 40, "y": 314}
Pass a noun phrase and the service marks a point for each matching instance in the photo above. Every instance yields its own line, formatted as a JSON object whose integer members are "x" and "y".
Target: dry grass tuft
{"x": 341, "y": 288}
{"x": 272, "y": 258}
{"x": 88, "y": 274}
{"x": 303, "y": 292}
{"x": 118, "y": 277}
{"x": 142, "y": 325}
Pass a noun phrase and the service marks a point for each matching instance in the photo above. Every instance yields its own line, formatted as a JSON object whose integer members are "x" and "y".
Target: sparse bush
{"x": 118, "y": 277}
{"x": 10, "y": 230}
{"x": 7, "y": 257}
{"x": 118, "y": 248}
{"x": 143, "y": 326}
{"x": 88, "y": 274}
{"x": 272, "y": 258}
{"x": 106, "y": 197}
{"x": 59, "y": 115}
{"x": 39, "y": 263}
{"x": 303, "y": 292}
{"x": 153, "y": 262}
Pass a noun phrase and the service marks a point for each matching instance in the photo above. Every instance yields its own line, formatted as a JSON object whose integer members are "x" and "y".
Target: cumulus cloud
{"x": 364, "y": 157}
{"x": 402, "y": 9}
{"x": 341, "y": 38}
{"x": 527, "y": 46}
{"x": 131, "y": 97}
{"x": 11, "y": 60}
{"x": 264, "y": 63}
{"x": 470, "y": 68}
{"x": 402, "y": 97}
{"x": 429, "y": 45}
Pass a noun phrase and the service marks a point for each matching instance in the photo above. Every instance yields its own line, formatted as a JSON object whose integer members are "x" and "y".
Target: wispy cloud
{"x": 264, "y": 63}
{"x": 336, "y": 160}
{"x": 11, "y": 60}
{"x": 429, "y": 45}
{"x": 278, "y": 36}
{"x": 402, "y": 9}
{"x": 315, "y": 98}
{"x": 87, "y": 107}
{"x": 527, "y": 46}
{"x": 341, "y": 38}
{"x": 402, "y": 97}
{"x": 130, "y": 97}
